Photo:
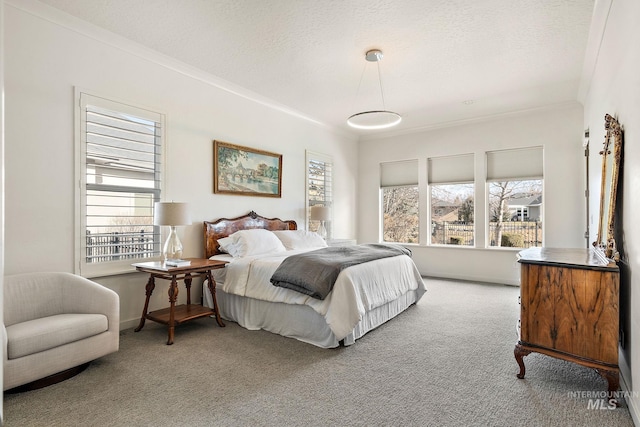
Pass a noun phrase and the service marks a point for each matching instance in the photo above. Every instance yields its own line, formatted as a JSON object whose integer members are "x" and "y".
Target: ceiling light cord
{"x": 381, "y": 91}
{"x": 353, "y": 106}
{"x": 374, "y": 119}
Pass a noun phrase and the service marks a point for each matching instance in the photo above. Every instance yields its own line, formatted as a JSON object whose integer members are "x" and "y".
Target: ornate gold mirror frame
{"x": 611, "y": 155}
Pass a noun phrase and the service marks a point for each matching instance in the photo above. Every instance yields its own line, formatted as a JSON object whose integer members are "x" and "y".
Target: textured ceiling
{"x": 439, "y": 55}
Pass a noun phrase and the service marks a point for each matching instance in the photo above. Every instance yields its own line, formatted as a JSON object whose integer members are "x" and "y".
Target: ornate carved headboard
{"x": 223, "y": 227}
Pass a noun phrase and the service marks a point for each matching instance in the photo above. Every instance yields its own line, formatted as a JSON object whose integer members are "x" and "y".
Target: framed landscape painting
{"x": 246, "y": 171}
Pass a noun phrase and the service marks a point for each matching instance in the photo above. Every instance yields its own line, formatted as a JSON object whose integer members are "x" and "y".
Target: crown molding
{"x": 601, "y": 10}
{"x": 84, "y": 28}
{"x": 472, "y": 120}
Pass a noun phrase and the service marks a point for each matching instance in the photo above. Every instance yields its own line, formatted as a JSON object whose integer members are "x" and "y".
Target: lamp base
{"x": 322, "y": 231}
{"x": 172, "y": 247}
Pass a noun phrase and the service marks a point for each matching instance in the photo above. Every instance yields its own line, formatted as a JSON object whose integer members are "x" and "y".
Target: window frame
{"x": 529, "y": 166}
{"x": 114, "y": 267}
{"x": 454, "y": 169}
{"x": 403, "y": 173}
{"x": 416, "y": 188}
{"x": 430, "y": 187}
{"x": 466, "y": 168}
{"x": 327, "y": 199}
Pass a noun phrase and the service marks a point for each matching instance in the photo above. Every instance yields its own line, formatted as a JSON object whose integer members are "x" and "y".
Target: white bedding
{"x": 358, "y": 290}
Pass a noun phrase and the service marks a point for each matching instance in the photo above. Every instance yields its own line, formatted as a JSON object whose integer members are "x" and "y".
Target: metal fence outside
{"x": 461, "y": 233}
{"x": 115, "y": 246}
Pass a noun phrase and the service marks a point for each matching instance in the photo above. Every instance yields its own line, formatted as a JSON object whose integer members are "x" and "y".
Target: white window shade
{"x": 393, "y": 174}
{"x": 518, "y": 163}
{"x": 451, "y": 169}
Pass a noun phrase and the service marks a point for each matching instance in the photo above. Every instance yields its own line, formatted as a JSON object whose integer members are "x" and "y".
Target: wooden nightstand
{"x": 174, "y": 315}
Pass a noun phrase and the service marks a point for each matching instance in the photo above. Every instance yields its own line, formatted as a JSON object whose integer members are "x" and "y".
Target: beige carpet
{"x": 448, "y": 361}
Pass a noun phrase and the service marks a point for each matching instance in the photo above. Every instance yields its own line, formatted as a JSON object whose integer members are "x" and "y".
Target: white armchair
{"x": 54, "y": 322}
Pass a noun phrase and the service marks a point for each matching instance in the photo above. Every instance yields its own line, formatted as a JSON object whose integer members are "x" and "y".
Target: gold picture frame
{"x": 246, "y": 171}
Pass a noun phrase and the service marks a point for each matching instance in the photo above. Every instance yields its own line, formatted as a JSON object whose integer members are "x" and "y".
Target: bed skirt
{"x": 300, "y": 321}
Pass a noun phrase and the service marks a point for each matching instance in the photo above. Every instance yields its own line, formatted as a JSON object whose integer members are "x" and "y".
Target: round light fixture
{"x": 374, "y": 119}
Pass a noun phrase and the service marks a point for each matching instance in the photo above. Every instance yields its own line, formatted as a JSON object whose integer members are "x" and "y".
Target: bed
{"x": 364, "y": 296}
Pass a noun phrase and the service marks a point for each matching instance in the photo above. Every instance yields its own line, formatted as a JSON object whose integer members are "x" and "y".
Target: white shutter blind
{"x": 121, "y": 156}
{"x": 521, "y": 163}
{"x": 319, "y": 187}
{"x": 400, "y": 173}
{"x": 451, "y": 169}
{"x": 320, "y": 179}
{"x": 121, "y": 149}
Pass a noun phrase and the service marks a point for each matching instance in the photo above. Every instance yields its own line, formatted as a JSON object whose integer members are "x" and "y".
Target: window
{"x": 119, "y": 181}
{"x": 514, "y": 178}
{"x": 400, "y": 196}
{"x": 319, "y": 187}
{"x": 451, "y": 197}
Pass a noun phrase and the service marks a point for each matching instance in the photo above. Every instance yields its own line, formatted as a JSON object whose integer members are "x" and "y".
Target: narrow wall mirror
{"x": 611, "y": 155}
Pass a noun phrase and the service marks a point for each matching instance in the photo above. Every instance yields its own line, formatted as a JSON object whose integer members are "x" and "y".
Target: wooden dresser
{"x": 569, "y": 301}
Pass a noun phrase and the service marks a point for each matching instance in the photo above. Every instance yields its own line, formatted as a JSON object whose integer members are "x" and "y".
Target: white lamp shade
{"x": 170, "y": 213}
{"x": 320, "y": 213}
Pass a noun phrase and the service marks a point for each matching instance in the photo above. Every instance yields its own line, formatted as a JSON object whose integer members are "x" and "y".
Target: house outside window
{"x": 119, "y": 149}
{"x": 400, "y": 201}
{"x": 515, "y": 183}
{"x": 451, "y": 197}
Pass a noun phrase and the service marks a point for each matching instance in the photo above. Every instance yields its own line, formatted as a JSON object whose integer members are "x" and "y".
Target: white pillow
{"x": 254, "y": 242}
{"x": 300, "y": 239}
{"x": 226, "y": 245}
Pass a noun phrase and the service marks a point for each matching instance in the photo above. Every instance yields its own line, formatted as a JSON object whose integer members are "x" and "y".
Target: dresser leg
{"x": 613, "y": 380}
{"x": 519, "y": 352}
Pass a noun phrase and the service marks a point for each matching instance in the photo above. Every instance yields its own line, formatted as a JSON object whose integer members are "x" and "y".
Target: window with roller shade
{"x": 400, "y": 201}
{"x": 451, "y": 199}
{"x": 515, "y": 197}
{"x": 120, "y": 158}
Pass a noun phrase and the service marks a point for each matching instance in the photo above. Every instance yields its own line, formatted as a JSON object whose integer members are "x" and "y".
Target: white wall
{"x": 615, "y": 89}
{"x": 48, "y": 54}
{"x": 558, "y": 130}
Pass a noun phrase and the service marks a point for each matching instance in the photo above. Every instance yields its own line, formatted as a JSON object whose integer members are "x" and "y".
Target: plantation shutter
{"x": 121, "y": 150}
{"x": 319, "y": 185}
{"x": 320, "y": 179}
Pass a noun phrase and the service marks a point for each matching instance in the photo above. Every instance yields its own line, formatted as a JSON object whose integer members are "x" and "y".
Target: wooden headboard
{"x": 223, "y": 227}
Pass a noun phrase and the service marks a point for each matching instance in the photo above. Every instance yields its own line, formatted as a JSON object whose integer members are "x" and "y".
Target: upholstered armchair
{"x": 54, "y": 322}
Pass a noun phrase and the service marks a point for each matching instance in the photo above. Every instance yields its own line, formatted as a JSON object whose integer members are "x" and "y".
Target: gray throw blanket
{"x": 314, "y": 273}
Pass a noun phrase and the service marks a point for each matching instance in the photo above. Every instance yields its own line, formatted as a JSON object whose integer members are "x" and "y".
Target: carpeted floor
{"x": 448, "y": 361}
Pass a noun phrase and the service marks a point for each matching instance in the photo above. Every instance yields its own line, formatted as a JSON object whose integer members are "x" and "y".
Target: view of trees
{"x": 499, "y": 195}
{"x": 452, "y": 214}
{"x": 400, "y": 209}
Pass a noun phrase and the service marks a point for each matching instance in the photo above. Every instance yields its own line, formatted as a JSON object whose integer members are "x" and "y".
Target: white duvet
{"x": 357, "y": 290}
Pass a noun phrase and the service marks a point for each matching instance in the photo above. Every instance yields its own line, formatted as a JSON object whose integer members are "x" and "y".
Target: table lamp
{"x": 322, "y": 214}
{"x": 171, "y": 214}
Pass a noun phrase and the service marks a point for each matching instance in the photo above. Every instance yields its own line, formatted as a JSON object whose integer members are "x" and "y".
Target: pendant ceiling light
{"x": 374, "y": 119}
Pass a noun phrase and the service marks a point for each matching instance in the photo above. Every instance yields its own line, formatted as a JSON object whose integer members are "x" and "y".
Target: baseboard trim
{"x": 631, "y": 402}
{"x": 128, "y": 324}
